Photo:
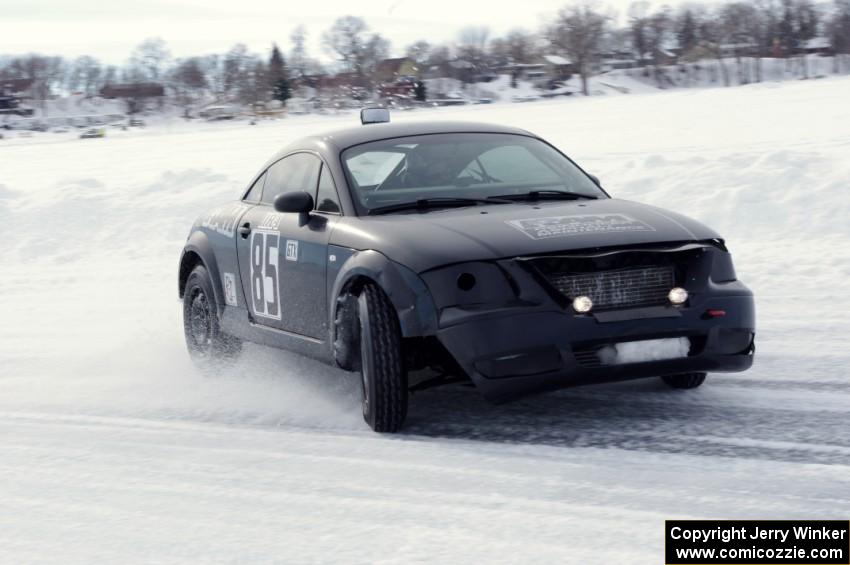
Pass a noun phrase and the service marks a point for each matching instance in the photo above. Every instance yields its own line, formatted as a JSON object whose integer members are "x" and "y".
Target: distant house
{"x": 12, "y": 94}
{"x": 340, "y": 80}
{"x": 616, "y": 59}
{"x": 745, "y": 49}
{"x": 541, "y": 71}
{"x": 390, "y": 70}
{"x": 139, "y": 90}
{"x": 136, "y": 94}
{"x": 817, "y": 46}
{"x": 557, "y": 67}
{"x": 402, "y": 87}
{"x": 21, "y": 87}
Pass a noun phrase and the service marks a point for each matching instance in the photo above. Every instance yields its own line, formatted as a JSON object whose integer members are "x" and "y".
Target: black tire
{"x": 209, "y": 347}
{"x": 685, "y": 380}
{"x": 382, "y": 370}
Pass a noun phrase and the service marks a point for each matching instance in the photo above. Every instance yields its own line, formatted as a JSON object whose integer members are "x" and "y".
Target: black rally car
{"x": 451, "y": 251}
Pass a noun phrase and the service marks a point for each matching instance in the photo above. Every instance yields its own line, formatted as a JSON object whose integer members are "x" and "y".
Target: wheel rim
{"x": 200, "y": 321}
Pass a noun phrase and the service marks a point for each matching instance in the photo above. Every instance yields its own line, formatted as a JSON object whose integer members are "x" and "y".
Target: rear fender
{"x": 199, "y": 244}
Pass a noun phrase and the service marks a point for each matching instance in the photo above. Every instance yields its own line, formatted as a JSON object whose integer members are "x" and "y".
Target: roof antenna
{"x": 375, "y": 115}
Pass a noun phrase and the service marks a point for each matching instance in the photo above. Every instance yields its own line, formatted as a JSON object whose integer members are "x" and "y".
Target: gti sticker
{"x": 230, "y": 289}
{"x": 562, "y": 226}
{"x": 291, "y": 250}
{"x": 223, "y": 220}
{"x": 265, "y": 268}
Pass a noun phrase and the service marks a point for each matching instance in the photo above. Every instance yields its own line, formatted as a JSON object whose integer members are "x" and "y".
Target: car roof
{"x": 344, "y": 138}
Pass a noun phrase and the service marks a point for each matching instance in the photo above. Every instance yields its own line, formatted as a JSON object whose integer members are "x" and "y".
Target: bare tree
{"x": 48, "y": 75}
{"x": 739, "y": 21}
{"x": 838, "y": 29}
{"x": 639, "y": 27}
{"x": 658, "y": 31}
{"x": 686, "y": 29}
{"x": 359, "y": 52}
{"x": 806, "y": 19}
{"x": 255, "y": 87}
{"x": 418, "y": 52}
{"x": 377, "y": 49}
{"x": 714, "y": 37}
{"x": 578, "y": 32}
{"x": 213, "y": 69}
{"x": 522, "y": 46}
{"x": 236, "y": 68}
{"x": 149, "y": 61}
{"x": 86, "y": 76}
{"x": 189, "y": 81}
{"x": 298, "y": 61}
{"x": 472, "y": 47}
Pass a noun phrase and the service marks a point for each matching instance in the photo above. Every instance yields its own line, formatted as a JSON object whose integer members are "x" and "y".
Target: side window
{"x": 326, "y": 198}
{"x": 256, "y": 190}
{"x": 296, "y": 172}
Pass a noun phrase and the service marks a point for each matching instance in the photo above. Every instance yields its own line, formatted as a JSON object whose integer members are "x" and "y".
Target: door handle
{"x": 245, "y": 230}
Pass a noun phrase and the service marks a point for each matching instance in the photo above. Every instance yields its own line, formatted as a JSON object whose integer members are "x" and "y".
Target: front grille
{"x": 623, "y": 288}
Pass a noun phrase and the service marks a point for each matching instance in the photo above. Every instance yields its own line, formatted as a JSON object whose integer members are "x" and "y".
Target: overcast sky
{"x": 110, "y": 29}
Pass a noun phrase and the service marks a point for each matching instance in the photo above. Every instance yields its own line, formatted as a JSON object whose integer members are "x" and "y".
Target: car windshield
{"x": 460, "y": 166}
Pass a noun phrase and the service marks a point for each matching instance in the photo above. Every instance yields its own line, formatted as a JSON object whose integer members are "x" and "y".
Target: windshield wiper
{"x": 546, "y": 194}
{"x": 437, "y": 202}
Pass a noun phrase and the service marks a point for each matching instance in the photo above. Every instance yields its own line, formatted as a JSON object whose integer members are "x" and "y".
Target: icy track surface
{"x": 114, "y": 450}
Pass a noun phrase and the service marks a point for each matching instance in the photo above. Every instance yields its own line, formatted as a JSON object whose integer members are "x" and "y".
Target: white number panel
{"x": 265, "y": 270}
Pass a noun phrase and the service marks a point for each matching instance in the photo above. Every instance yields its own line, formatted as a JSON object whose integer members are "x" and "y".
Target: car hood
{"x": 425, "y": 240}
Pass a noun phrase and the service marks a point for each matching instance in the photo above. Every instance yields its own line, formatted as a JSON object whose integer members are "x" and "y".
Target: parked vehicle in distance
{"x": 93, "y": 132}
{"x": 461, "y": 252}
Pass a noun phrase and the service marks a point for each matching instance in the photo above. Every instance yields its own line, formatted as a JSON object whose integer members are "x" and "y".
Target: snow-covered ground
{"x": 113, "y": 449}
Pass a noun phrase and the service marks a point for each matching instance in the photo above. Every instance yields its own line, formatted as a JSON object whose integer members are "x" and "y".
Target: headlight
{"x": 677, "y": 296}
{"x": 582, "y": 304}
{"x": 467, "y": 284}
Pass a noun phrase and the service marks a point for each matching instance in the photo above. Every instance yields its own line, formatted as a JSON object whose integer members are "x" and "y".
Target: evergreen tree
{"x": 787, "y": 31}
{"x": 687, "y": 33}
{"x": 279, "y": 76}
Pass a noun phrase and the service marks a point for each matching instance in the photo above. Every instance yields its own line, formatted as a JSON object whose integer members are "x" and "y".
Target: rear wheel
{"x": 208, "y": 345}
{"x": 685, "y": 380}
{"x": 382, "y": 370}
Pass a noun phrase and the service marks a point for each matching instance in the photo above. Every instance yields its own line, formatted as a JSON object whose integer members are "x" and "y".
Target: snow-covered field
{"x": 113, "y": 449}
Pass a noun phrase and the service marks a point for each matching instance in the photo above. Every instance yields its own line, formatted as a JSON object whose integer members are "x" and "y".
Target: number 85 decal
{"x": 264, "y": 274}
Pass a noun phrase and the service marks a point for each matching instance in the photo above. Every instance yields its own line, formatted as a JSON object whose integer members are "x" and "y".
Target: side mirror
{"x": 298, "y": 202}
{"x": 595, "y": 179}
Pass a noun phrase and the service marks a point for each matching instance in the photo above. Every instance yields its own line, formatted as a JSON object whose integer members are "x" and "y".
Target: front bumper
{"x": 513, "y": 351}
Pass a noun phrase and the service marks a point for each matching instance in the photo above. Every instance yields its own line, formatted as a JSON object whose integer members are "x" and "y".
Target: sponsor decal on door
{"x": 230, "y": 289}
{"x": 291, "y": 250}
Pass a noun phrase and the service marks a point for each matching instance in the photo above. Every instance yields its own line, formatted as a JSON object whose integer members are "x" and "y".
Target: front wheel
{"x": 685, "y": 380}
{"x": 382, "y": 370}
{"x": 208, "y": 345}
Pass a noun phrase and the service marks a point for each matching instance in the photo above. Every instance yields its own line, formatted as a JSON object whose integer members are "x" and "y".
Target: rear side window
{"x": 370, "y": 168}
{"x": 326, "y": 198}
{"x": 296, "y": 172}
{"x": 256, "y": 190}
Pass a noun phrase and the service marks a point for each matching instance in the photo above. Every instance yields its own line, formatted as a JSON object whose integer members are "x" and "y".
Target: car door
{"x": 283, "y": 257}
